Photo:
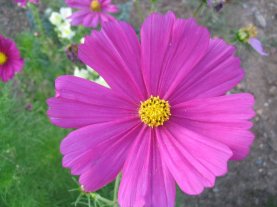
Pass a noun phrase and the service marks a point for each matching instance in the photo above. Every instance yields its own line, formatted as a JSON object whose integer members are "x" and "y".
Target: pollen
{"x": 154, "y": 111}
{"x": 247, "y": 32}
{"x": 3, "y": 58}
{"x": 95, "y": 6}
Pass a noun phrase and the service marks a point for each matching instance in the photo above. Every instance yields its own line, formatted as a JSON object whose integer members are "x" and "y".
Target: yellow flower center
{"x": 95, "y": 6}
{"x": 3, "y": 58}
{"x": 247, "y": 32}
{"x": 154, "y": 111}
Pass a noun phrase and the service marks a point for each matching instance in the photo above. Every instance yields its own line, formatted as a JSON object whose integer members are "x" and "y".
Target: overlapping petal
{"x": 146, "y": 181}
{"x": 224, "y": 119}
{"x": 170, "y": 49}
{"x": 114, "y": 53}
{"x": 80, "y": 102}
{"x": 193, "y": 160}
{"x": 98, "y": 152}
{"x": 217, "y": 72}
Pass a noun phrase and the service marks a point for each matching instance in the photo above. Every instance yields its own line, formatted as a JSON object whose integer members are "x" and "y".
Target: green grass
{"x": 30, "y": 167}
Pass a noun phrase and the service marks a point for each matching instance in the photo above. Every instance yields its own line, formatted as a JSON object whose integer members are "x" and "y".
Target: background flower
{"x": 23, "y": 3}
{"x": 91, "y": 12}
{"x": 248, "y": 35}
{"x": 60, "y": 20}
{"x": 10, "y": 60}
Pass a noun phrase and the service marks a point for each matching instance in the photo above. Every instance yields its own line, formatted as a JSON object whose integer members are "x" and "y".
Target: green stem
{"x": 139, "y": 10}
{"x": 37, "y": 19}
{"x": 115, "y": 192}
{"x": 197, "y": 10}
{"x": 102, "y": 199}
{"x": 153, "y": 6}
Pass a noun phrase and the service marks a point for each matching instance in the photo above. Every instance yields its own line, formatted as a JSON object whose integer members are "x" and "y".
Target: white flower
{"x": 82, "y": 73}
{"x": 65, "y": 12}
{"x": 90, "y": 74}
{"x": 62, "y": 24}
{"x": 56, "y": 18}
{"x": 102, "y": 82}
{"x": 65, "y": 31}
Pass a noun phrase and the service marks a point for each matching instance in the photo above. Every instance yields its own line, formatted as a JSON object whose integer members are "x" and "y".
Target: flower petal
{"x": 114, "y": 53}
{"x": 224, "y": 119}
{"x": 193, "y": 160}
{"x": 145, "y": 179}
{"x": 98, "y": 154}
{"x": 84, "y": 4}
{"x": 170, "y": 49}
{"x": 218, "y": 72}
{"x": 257, "y": 45}
{"x": 80, "y": 102}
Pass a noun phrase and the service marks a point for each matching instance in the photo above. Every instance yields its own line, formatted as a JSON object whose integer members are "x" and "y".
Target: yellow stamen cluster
{"x": 154, "y": 111}
{"x": 247, "y": 32}
{"x": 3, "y": 58}
{"x": 252, "y": 30}
{"x": 95, "y": 6}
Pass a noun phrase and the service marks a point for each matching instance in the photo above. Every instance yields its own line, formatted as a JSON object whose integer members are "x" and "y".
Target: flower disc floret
{"x": 3, "y": 58}
{"x": 95, "y": 6}
{"x": 154, "y": 111}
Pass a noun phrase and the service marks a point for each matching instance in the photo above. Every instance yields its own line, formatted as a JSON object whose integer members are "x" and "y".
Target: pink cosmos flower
{"x": 23, "y": 3}
{"x": 10, "y": 60}
{"x": 91, "y": 12}
{"x": 248, "y": 35}
{"x": 165, "y": 119}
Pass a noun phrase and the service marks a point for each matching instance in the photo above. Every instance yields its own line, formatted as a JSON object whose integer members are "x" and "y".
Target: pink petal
{"x": 145, "y": 179}
{"x": 257, "y": 45}
{"x": 218, "y": 72}
{"x": 170, "y": 49}
{"x": 114, "y": 53}
{"x": 81, "y": 102}
{"x": 110, "y": 9}
{"x": 78, "y": 17}
{"x": 84, "y": 4}
{"x": 224, "y": 119}
{"x": 98, "y": 154}
{"x": 193, "y": 160}
{"x": 155, "y": 38}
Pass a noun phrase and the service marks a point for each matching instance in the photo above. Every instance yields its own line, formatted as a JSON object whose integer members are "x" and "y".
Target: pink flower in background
{"x": 10, "y": 60}
{"x": 91, "y": 12}
{"x": 23, "y": 3}
{"x": 248, "y": 35}
{"x": 165, "y": 119}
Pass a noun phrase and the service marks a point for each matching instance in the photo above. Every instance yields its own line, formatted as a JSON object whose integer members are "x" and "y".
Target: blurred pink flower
{"x": 10, "y": 60}
{"x": 91, "y": 12}
{"x": 23, "y": 3}
{"x": 165, "y": 118}
{"x": 248, "y": 35}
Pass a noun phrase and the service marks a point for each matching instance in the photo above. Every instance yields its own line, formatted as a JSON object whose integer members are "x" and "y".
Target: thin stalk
{"x": 139, "y": 10}
{"x": 115, "y": 192}
{"x": 198, "y": 9}
{"x": 103, "y": 200}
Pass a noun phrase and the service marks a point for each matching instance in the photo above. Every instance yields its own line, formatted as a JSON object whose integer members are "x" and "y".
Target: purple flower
{"x": 165, "y": 119}
{"x": 91, "y": 12}
{"x": 10, "y": 60}
{"x": 23, "y": 3}
{"x": 248, "y": 34}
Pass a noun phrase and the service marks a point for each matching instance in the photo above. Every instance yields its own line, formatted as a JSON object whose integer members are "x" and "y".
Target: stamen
{"x": 247, "y": 32}
{"x": 154, "y": 111}
{"x": 95, "y": 6}
{"x": 3, "y": 58}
